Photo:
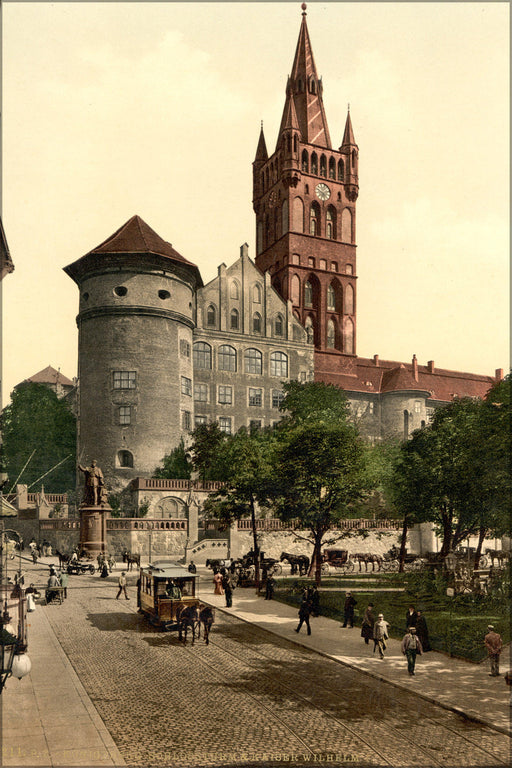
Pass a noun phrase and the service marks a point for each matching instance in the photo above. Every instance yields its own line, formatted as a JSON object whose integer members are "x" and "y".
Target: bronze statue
{"x": 94, "y": 484}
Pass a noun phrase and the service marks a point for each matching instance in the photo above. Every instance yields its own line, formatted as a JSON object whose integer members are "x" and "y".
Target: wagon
{"x": 76, "y": 567}
{"x": 154, "y": 593}
{"x": 336, "y": 560}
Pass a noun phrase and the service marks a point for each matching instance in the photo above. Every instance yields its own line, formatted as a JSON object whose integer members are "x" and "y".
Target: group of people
{"x": 224, "y": 585}
{"x": 415, "y": 641}
{"x": 55, "y": 582}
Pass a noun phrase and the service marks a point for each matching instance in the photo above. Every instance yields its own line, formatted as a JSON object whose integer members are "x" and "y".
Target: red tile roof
{"x": 50, "y": 376}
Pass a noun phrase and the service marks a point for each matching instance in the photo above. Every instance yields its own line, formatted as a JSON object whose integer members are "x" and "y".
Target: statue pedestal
{"x": 93, "y": 528}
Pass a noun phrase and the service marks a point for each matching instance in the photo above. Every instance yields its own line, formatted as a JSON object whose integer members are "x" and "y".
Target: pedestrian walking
{"x": 104, "y": 570}
{"x": 269, "y": 589}
{"x": 217, "y": 580}
{"x": 508, "y": 681}
{"x": 314, "y": 600}
{"x": 494, "y": 644}
{"x": 411, "y": 647}
{"x": 122, "y": 586}
{"x": 411, "y": 617}
{"x": 380, "y": 635}
{"x": 422, "y": 632}
{"x": 64, "y": 579}
{"x": 227, "y": 585}
{"x": 304, "y": 613}
{"x": 348, "y": 610}
{"x": 368, "y": 623}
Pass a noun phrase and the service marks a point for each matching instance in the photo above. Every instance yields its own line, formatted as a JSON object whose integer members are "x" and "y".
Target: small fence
{"x": 272, "y": 524}
{"x": 153, "y": 484}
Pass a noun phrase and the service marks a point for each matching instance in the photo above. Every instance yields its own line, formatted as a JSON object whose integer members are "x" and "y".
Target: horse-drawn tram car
{"x": 168, "y": 597}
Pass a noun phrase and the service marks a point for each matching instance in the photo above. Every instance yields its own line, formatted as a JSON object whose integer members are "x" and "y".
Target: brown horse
{"x": 131, "y": 560}
{"x": 188, "y": 619}
{"x": 206, "y": 618}
{"x": 367, "y": 558}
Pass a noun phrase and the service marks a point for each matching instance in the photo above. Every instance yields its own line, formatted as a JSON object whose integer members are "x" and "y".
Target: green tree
{"x": 318, "y": 462}
{"x": 176, "y": 465}
{"x": 246, "y": 457}
{"x": 454, "y": 472}
{"x": 206, "y": 451}
{"x": 40, "y": 429}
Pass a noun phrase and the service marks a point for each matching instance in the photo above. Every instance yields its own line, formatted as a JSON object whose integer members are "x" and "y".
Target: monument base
{"x": 93, "y": 528}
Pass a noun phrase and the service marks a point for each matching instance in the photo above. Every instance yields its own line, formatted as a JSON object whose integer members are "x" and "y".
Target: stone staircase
{"x": 207, "y": 549}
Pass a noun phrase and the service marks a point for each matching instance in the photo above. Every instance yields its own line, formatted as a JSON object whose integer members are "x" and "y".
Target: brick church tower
{"x": 304, "y": 197}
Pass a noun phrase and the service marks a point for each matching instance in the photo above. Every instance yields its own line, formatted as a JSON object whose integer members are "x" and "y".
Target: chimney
{"x": 376, "y": 360}
{"x": 431, "y": 367}
{"x": 415, "y": 368}
{"x": 244, "y": 251}
{"x": 499, "y": 374}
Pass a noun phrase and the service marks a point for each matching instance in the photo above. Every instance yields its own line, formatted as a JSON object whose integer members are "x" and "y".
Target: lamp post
{"x": 14, "y": 660}
{"x": 450, "y": 562}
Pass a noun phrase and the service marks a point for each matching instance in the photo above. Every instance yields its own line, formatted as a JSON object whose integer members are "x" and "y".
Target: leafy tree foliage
{"x": 208, "y": 458}
{"x": 318, "y": 462}
{"x": 176, "y": 465}
{"x": 246, "y": 459}
{"x": 455, "y": 471}
{"x": 37, "y": 421}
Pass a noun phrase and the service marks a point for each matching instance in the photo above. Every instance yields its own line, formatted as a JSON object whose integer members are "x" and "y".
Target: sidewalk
{"x": 454, "y": 684}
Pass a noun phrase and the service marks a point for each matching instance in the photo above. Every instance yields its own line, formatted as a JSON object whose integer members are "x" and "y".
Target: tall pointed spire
{"x": 304, "y": 88}
{"x": 348, "y": 136}
{"x": 261, "y": 151}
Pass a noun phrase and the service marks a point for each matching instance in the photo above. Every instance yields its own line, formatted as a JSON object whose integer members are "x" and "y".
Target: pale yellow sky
{"x": 114, "y": 109}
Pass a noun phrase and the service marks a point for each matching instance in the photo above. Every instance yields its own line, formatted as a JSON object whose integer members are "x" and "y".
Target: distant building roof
{"x": 6, "y": 265}
{"x": 50, "y": 376}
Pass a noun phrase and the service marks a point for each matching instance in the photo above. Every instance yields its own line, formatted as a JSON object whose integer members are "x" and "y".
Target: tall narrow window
{"x": 225, "y": 424}
{"x": 253, "y": 361}
{"x": 346, "y": 225}
{"x": 323, "y": 166}
{"x": 295, "y": 290}
{"x": 331, "y": 299}
{"x": 125, "y": 414}
{"x": 349, "y": 337}
{"x": 279, "y": 364}
{"x": 331, "y": 334}
{"x": 308, "y": 294}
{"x": 278, "y": 325}
{"x": 332, "y": 168}
{"x": 255, "y": 397}
{"x": 201, "y": 393}
{"x": 256, "y": 296}
{"x": 234, "y": 320}
{"x": 256, "y": 323}
{"x": 211, "y": 316}
{"x": 125, "y": 458}
{"x": 226, "y": 358}
{"x": 341, "y": 171}
{"x": 314, "y": 219}
{"x": 330, "y": 218}
{"x": 314, "y": 164}
{"x": 225, "y": 394}
{"x": 349, "y": 300}
{"x": 234, "y": 292}
{"x": 202, "y": 355}
{"x": 310, "y": 330}
{"x": 186, "y": 386}
{"x": 305, "y": 162}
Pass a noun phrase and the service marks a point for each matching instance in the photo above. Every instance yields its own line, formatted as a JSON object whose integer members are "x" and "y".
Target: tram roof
{"x": 166, "y": 570}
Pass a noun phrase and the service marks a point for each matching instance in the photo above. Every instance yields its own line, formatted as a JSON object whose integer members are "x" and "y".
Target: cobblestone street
{"x": 248, "y": 697}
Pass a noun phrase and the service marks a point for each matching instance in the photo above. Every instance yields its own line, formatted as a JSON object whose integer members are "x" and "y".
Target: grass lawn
{"x": 456, "y": 625}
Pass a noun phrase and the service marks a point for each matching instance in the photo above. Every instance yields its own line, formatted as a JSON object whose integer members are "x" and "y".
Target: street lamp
{"x": 14, "y": 660}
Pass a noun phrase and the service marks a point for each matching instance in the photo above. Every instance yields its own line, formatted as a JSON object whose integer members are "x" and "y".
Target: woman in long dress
{"x": 217, "y": 580}
{"x": 422, "y": 632}
{"x": 368, "y": 624}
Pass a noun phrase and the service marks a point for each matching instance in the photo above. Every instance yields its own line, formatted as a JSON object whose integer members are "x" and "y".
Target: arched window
{"x": 279, "y": 364}
{"x": 314, "y": 163}
{"x": 211, "y": 316}
{"x": 256, "y": 293}
{"x": 278, "y": 325}
{"x": 234, "y": 320}
{"x": 125, "y": 458}
{"x": 332, "y": 168}
{"x": 295, "y": 143}
{"x": 253, "y": 361}
{"x": 308, "y": 294}
{"x": 331, "y": 298}
{"x": 295, "y": 290}
{"x": 305, "y": 161}
{"x": 202, "y": 355}
{"x": 323, "y": 166}
{"x": 295, "y": 258}
{"x": 314, "y": 219}
{"x": 346, "y": 225}
{"x": 256, "y": 323}
{"x": 298, "y": 215}
{"x": 331, "y": 334}
{"x": 349, "y": 300}
{"x": 341, "y": 170}
{"x": 226, "y": 358}
{"x": 349, "y": 336}
{"x": 234, "y": 290}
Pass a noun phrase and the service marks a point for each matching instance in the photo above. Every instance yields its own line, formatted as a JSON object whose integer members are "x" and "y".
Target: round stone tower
{"x": 135, "y": 321}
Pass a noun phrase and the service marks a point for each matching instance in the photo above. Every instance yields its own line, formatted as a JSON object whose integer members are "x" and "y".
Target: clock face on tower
{"x": 322, "y": 191}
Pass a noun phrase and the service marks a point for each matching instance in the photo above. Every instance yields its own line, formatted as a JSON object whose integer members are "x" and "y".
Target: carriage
{"x": 160, "y": 602}
{"x": 336, "y": 560}
{"x": 412, "y": 562}
{"x": 77, "y": 567}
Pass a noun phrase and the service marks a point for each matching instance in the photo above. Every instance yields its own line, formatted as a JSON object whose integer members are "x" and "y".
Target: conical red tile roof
{"x": 137, "y": 237}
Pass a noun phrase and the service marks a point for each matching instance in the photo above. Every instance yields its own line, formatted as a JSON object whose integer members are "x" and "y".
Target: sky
{"x": 116, "y": 109}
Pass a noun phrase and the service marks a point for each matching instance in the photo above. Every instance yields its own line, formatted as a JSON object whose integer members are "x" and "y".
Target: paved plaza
{"x": 106, "y": 688}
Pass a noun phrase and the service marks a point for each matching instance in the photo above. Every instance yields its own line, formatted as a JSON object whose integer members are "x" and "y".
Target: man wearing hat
{"x": 411, "y": 646}
{"x": 493, "y": 643}
{"x": 348, "y": 610}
